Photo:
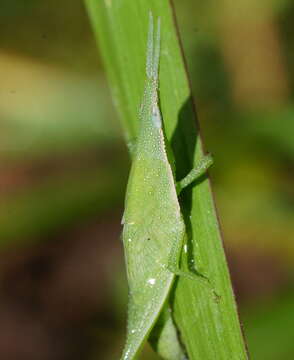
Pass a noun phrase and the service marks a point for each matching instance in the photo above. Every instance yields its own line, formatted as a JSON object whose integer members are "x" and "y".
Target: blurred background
{"x": 64, "y": 168}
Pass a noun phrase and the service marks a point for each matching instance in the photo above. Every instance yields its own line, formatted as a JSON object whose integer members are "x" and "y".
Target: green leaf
{"x": 208, "y": 325}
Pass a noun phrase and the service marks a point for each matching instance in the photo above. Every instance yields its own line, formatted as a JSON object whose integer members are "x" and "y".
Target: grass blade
{"x": 208, "y": 322}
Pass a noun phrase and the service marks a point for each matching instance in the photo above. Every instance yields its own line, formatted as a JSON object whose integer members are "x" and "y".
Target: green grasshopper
{"x": 153, "y": 226}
